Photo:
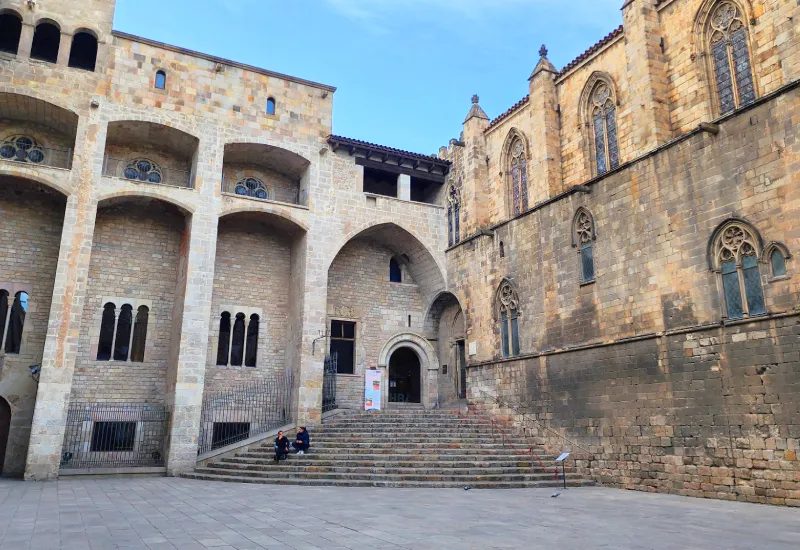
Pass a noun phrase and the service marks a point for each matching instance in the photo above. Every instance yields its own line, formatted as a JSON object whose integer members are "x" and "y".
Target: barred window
{"x": 730, "y": 55}
{"x": 736, "y": 252}
{"x": 583, "y": 238}
{"x": 604, "y": 128}
{"x": 508, "y": 313}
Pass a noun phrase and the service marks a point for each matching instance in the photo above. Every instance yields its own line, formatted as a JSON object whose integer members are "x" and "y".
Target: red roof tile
{"x": 518, "y": 105}
{"x": 578, "y": 60}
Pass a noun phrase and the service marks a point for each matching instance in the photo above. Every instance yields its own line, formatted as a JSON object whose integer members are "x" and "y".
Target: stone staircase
{"x": 396, "y": 449}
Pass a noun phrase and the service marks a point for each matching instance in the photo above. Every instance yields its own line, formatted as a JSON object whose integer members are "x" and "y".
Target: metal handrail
{"x": 506, "y": 405}
{"x": 507, "y": 439}
{"x": 33, "y": 154}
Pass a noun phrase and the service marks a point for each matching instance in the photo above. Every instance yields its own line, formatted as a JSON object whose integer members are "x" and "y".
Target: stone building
{"x": 623, "y": 244}
{"x": 612, "y": 256}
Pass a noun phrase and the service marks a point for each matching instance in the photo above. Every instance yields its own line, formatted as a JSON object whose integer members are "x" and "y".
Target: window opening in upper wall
{"x": 161, "y": 80}
{"x": 10, "y": 32}
{"x": 46, "y": 40}
{"x": 83, "y": 54}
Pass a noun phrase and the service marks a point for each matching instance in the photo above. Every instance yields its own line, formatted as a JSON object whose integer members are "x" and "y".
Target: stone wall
{"x": 252, "y": 270}
{"x": 29, "y": 241}
{"x": 640, "y": 365}
{"x": 134, "y": 256}
{"x": 359, "y": 290}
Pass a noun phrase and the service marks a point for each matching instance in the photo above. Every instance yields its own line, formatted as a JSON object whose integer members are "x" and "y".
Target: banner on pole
{"x": 372, "y": 391}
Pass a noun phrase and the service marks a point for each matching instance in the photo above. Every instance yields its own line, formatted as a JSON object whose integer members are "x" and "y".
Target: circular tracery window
{"x": 252, "y": 187}
{"x": 143, "y": 170}
{"x": 22, "y": 149}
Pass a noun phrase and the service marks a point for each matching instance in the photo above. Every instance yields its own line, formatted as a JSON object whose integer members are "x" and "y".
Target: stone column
{"x": 187, "y": 365}
{"x": 25, "y": 41}
{"x": 64, "y": 49}
{"x": 544, "y": 173}
{"x": 404, "y": 187}
{"x": 647, "y": 77}
{"x": 66, "y": 310}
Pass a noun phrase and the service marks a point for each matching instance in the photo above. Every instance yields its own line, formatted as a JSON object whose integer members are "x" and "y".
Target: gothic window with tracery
{"x": 238, "y": 339}
{"x": 519, "y": 176}
{"x": 604, "y": 128}
{"x": 731, "y": 58}
{"x": 736, "y": 257}
{"x": 22, "y": 149}
{"x": 453, "y": 216}
{"x": 253, "y": 187}
{"x": 508, "y": 309}
{"x": 583, "y": 239}
{"x": 143, "y": 170}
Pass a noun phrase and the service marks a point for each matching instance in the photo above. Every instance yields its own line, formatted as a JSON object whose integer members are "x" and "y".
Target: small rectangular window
{"x": 587, "y": 262}
{"x": 514, "y": 334}
{"x": 504, "y": 333}
{"x": 110, "y": 437}
{"x": 343, "y": 345}
{"x": 227, "y": 433}
{"x": 752, "y": 286}
{"x": 733, "y": 293}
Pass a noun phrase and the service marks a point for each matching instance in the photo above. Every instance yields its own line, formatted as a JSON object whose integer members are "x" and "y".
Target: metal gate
{"x": 329, "y": 384}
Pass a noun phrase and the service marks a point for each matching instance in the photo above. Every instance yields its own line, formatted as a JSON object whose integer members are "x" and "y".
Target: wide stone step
{"x": 371, "y": 451}
{"x": 388, "y": 484}
{"x": 427, "y": 428}
{"x": 368, "y": 470}
{"x": 345, "y": 444}
{"x": 450, "y": 477}
{"x": 445, "y": 464}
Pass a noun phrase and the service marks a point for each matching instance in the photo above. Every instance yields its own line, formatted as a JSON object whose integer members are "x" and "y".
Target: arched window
{"x": 223, "y": 347}
{"x": 237, "y": 342}
{"x": 271, "y": 106}
{"x": 502, "y": 250}
{"x": 83, "y": 54}
{"x": 735, "y": 255}
{"x": 518, "y": 169}
{"x": 143, "y": 170}
{"x": 4, "y": 312}
{"x": 46, "y": 40}
{"x": 21, "y": 148}
{"x": 453, "y": 216}
{"x": 251, "y": 351}
{"x": 122, "y": 341}
{"x": 161, "y": 80}
{"x": 778, "y": 263}
{"x": 583, "y": 238}
{"x": 395, "y": 273}
{"x": 10, "y": 32}
{"x": 604, "y": 128}
{"x": 253, "y": 187}
{"x": 139, "y": 334}
{"x": 508, "y": 313}
{"x": 730, "y": 55}
{"x": 106, "y": 343}
{"x": 16, "y": 323}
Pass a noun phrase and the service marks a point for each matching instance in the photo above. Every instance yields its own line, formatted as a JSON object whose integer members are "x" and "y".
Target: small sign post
{"x": 562, "y": 459}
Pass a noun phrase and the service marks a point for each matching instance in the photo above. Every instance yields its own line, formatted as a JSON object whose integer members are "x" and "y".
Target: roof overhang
{"x": 370, "y": 155}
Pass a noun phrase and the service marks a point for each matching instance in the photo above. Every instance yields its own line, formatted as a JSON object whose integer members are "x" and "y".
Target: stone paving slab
{"x": 170, "y": 513}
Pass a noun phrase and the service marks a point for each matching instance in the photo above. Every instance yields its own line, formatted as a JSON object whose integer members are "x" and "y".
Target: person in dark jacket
{"x": 281, "y": 447}
{"x": 302, "y": 441}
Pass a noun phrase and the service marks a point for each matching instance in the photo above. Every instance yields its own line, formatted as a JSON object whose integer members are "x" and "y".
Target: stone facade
{"x": 646, "y": 370}
{"x": 194, "y": 200}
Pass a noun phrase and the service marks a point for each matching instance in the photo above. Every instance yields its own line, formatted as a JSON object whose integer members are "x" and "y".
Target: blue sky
{"x": 405, "y": 69}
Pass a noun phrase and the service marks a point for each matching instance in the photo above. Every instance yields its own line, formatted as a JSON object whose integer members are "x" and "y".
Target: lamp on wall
{"x": 36, "y": 370}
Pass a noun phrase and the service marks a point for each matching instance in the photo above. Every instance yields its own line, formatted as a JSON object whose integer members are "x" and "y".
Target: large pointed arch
{"x": 598, "y": 119}
{"x": 515, "y": 160}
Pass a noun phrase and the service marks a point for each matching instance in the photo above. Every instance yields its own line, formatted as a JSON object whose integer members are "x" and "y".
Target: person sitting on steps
{"x": 302, "y": 442}
{"x": 281, "y": 447}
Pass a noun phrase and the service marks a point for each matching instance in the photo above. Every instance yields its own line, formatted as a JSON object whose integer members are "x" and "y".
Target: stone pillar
{"x": 544, "y": 173}
{"x": 404, "y": 187}
{"x": 64, "y": 49}
{"x": 476, "y": 194}
{"x": 647, "y": 77}
{"x": 187, "y": 365}
{"x": 66, "y": 309}
{"x": 25, "y": 41}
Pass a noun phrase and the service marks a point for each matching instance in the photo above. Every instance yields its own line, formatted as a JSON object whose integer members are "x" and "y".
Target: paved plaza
{"x": 167, "y": 513}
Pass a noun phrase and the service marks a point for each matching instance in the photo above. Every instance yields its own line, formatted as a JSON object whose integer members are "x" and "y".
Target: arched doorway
{"x": 405, "y": 377}
{"x": 5, "y": 425}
